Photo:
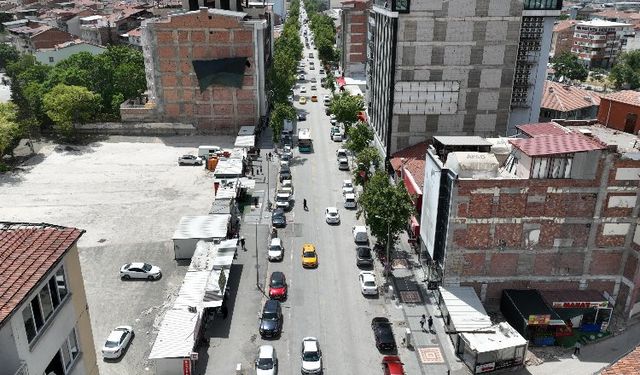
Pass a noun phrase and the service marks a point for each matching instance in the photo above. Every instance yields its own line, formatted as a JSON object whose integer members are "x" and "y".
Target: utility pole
{"x": 257, "y": 266}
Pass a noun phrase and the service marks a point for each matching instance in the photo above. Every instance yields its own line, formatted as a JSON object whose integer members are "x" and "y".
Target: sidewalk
{"x": 433, "y": 351}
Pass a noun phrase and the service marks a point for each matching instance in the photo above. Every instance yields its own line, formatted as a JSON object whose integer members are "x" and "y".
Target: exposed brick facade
{"x": 174, "y": 43}
{"x": 354, "y": 36}
{"x": 619, "y": 115}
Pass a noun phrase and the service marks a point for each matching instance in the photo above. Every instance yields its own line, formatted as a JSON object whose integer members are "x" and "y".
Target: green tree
{"x": 279, "y": 113}
{"x": 360, "y": 136}
{"x": 367, "y": 159}
{"x": 10, "y": 130}
{"x": 27, "y": 88}
{"x": 626, "y": 71}
{"x": 346, "y": 108}
{"x": 387, "y": 207}
{"x": 330, "y": 80}
{"x": 68, "y": 105}
{"x": 567, "y": 65}
{"x": 8, "y": 54}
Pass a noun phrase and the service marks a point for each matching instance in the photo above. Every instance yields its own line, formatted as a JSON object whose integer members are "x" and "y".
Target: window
{"x": 555, "y": 167}
{"x": 50, "y": 59}
{"x": 37, "y": 313}
{"x": 401, "y": 6}
{"x": 62, "y": 285}
{"x": 29, "y": 325}
{"x": 45, "y": 302}
{"x": 69, "y": 351}
{"x": 73, "y": 344}
{"x": 53, "y": 290}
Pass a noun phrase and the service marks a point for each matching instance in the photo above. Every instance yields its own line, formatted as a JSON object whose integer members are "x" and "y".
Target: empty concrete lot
{"x": 128, "y": 193}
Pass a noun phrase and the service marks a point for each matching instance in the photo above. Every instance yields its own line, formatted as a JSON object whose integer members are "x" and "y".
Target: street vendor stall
{"x": 530, "y": 315}
{"x": 497, "y": 347}
{"x": 586, "y": 310}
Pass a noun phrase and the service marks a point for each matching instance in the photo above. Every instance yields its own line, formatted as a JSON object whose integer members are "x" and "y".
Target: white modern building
{"x": 52, "y": 56}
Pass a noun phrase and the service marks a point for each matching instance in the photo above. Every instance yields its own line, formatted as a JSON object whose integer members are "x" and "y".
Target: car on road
{"x": 117, "y": 342}
{"x": 303, "y": 90}
{"x": 314, "y": 80}
{"x": 311, "y": 356}
{"x": 302, "y": 100}
{"x": 189, "y": 160}
{"x": 314, "y": 98}
{"x": 347, "y": 187}
{"x": 392, "y": 365}
{"x": 302, "y": 117}
{"x": 343, "y": 164}
{"x": 350, "y": 201}
{"x": 313, "y": 87}
{"x": 385, "y": 341}
{"x": 309, "y": 256}
{"x": 267, "y": 361}
{"x": 301, "y": 77}
{"x": 363, "y": 256}
{"x": 278, "y": 219}
{"x": 321, "y": 71}
{"x": 332, "y": 216}
{"x": 271, "y": 319}
{"x": 368, "y": 285}
{"x": 311, "y": 67}
{"x": 139, "y": 270}
{"x": 278, "y": 286}
{"x": 276, "y": 250}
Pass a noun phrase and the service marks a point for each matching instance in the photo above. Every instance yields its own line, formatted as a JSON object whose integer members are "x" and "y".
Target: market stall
{"x": 586, "y": 310}
{"x": 498, "y": 347}
{"x": 530, "y": 315}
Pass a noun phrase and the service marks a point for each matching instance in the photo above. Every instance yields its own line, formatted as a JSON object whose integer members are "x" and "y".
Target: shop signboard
{"x": 580, "y": 305}
{"x": 538, "y": 319}
{"x": 485, "y": 367}
{"x": 493, "y": 366}
{"x": 186, "y": 367}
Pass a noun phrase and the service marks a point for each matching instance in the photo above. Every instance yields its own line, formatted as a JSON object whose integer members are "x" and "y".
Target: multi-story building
{"x": 457, "y": 68}
{"x": 45, "y": 327}
{"x": 353, "y": 36}
{"x": 562, "y": 37}
{"x": 207, "y": 67}
{"x": 598, "y": 43}
{"x": 560, "y": 213}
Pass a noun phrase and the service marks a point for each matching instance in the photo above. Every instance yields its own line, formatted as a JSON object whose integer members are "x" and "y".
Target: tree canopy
{"x": 567, "y": 65}
{"x": 367, "y": 160}
{"x": 279, "y": 113}
{"x": 346, "y": 107}
{"x": 360, "y": 136}
{"x": 10, "y": 130}
{"x": 626, "y": 71}
{"x": 68, "y": 105}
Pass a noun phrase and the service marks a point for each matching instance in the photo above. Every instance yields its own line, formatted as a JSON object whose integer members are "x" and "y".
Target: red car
{"x": 391, "y": 365}
{"x": 278, "y": 286}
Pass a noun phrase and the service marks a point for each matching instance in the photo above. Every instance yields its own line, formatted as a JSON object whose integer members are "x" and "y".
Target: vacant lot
{"x": 128, "y": 193}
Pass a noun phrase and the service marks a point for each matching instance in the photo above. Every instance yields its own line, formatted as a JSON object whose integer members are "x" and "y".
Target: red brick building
{"x": 207, "y": 68}
{"x": 562, "y": 37}
{"x": 620, "y": 111}
{"x": 354, "y": 36}
{"x": 560, "y": 213}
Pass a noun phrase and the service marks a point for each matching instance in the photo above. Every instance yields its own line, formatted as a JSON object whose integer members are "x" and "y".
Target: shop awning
{"x": 341, "y": 82}
{"x": 526, "y": 307}
{"x": 571, "y": 303}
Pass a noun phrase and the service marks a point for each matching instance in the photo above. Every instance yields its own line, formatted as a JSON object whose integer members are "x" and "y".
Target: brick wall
{"x": 204, "y": 36}
{"x": 614, "y": 114}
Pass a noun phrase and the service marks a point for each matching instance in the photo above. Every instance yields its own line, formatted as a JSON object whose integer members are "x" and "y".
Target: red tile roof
{"x": 625, "y": 96}
{"x": 27, "y": 252}
{"x": 542, "y": 128}
{"x": 557, "y": 144}
{"x": 415, "y": 159}
{"x": 565, "y": 98}
{"x": 564, "y": 25}
{"x": 627, "y": 365}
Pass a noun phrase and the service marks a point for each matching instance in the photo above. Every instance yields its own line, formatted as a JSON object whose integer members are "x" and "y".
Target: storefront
{"x": 531, "y": 316}
{"x": 499, "y": 348}
{"x": 586, "y": 310}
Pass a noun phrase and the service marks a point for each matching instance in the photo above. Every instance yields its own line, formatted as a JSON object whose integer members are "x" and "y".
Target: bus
{"x": 305, "y": 144}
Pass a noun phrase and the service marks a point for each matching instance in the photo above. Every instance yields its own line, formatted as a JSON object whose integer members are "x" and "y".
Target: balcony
{"x": 22, "y": 370}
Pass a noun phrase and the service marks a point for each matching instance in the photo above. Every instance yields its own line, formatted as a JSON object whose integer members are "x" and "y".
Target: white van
{"x": 350, "y": 200}
{"x": 360, "y": 234}
{"x": 207, "y": 151}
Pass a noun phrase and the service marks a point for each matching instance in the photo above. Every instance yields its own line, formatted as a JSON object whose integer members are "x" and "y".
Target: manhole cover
{"x": 400, "y": 263}
{"x": 410, "y": 296}
{"x": 430, "y": 354}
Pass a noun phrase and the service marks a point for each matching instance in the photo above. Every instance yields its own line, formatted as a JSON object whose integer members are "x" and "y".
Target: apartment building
{"x": 598, "y": 43}
{"x": 45, "y": 327}
{"x": 207, "y": 67}
{"x": 562, "y": 37}
{"x": 461, "y": 67}
{"x": 559, "y": 213}
{"x": 353, "y": 37}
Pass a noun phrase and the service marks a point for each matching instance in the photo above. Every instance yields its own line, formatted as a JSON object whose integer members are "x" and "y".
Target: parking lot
{"x": 128, "y": 193}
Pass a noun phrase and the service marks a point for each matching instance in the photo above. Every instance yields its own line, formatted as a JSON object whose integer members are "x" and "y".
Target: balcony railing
{"x": 22, "y": 370}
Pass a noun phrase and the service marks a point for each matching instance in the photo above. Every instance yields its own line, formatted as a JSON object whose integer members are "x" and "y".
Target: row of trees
{"x": 281, "y": 76}
{"x": 324, "y": 32}
{"x": 624, "y": 74}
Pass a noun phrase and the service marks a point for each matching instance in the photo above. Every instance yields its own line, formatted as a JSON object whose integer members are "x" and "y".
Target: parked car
{"x": 391, "y": 365}
{"x": 278, "y": 219}
{"x": 140, "y": 270}
{"x": 350, "y": 201}
{"x": 309, "y": 256}
{"x": 290, "y": 98}
{"x": 276, "y": 250}
{"x": 189, "y": 160}
{"x": 368, "y": 285}
{"x": 271, "y": 319}
{"x": 302, "y": 100}
{"x": 360, "y": 235}
{"x": 311, "y": 356}
{"x": 314, "y": 80}
{"x": 302, "y": 117}
{"x": 284, "y": 175}
{"x": 343, "y": 164}
{"x": 267, "y": 361}
{"x": 363, "y": 257}
{"x": 334, "y": 130}
{"x": 341, "y": 153}
{"x": 385, "y": 341}
{"x": 314, "y": 98}
{"x": 313, "y": 87}
{"x": 337, "y": 136}
{"x": 117, "y": 342}
{"x": 332, "y": 216}
{"x": 301, "y": 77}
{"x": 278, "y": 286}
{"x": 347, "y": 187}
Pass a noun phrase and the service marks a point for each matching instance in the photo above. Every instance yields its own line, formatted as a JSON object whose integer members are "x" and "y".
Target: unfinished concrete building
{"x": 560, "y": 213}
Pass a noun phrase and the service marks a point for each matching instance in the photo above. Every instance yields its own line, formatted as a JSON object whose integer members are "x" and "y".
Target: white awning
{"x": 176, "y": 338}
{"x": 202, "y": 227}
{"x": 247, "y": 130}
{"x": 465, "y": 309}
{"x": 245, "y": 141}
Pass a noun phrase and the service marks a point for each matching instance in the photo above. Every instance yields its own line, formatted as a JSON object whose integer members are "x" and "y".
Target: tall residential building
{"x": 207, "y": 67}
{"x": 455, "y": 67}
{"x": 598, "y": 43}
{"x": 354, "y": 36}
{"x": 45, "y": 327}
{"x": 562, "y": 37}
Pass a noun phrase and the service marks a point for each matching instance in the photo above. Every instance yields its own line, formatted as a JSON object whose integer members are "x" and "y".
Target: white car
{"x": 140, "y": 270}
{"x": 341, "y": 153}
{"x": 303, "y": 90}
{"x": 350, "y": 200}
{"x": 337, "y": 136}
{"x": 313, "y": 87}
{"x": 311, "y": 356}
{"x": 368, "y": 284}
{"x": 267, "y": 361}
{"x": 276, "y": 250}
{"x": 189, "y": 160}
{"x": 347, "y": 187}
{"x": 332, "y": 215}
{"x": 333, "y": 119}
{"x": 117, "y": 342}
{"x": 301, "y": 77}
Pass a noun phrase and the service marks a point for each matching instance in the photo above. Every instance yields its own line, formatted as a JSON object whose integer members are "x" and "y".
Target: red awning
{"x": 341, "y": 82}
{"x": 362, "y": 116}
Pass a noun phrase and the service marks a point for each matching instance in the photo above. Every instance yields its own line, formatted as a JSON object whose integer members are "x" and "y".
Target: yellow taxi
{"x": 302, "y": 100}
{"x": 309, "y": 256}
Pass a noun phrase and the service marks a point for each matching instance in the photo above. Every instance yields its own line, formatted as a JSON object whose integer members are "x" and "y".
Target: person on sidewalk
{"x": 576, "y": 348}
{"x": 423, "y": 320}
{"x": 242, "y": 243}
{"x": 304, "y": 204}
{"x": 430, "y": 321}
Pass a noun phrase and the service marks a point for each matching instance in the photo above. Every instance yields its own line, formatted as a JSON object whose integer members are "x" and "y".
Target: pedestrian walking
{"x": 304, "y": 204}
{"x": 430, "y": 321}
{"x": 576, "y": 348}
{"x": 423, "y": 320}
{"x": 260, "y": 169}
{"x": 225, "y": 311}
{"x": 242, "y": 244}
{"x": 269, "y": 156}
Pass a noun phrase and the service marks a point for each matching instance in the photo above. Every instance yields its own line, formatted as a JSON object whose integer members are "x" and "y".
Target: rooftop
{"x": 564, "y": 25}
{"x": 554, "y": 144}
{"x": 542, "y": 128}
{"x": 602, "y": 23}
{"x": 625, "y": 96}
{"x": 629, "y": 364}
{"x": 415, "y": 157}
{"x": 27, "y": 253}
{"x": 565, "y": 98}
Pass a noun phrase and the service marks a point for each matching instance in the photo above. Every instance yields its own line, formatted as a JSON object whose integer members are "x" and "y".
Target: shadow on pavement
{"x": 220, "y": 327}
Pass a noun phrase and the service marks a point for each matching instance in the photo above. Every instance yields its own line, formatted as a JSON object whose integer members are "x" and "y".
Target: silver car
{"x": 140, "y": 271}
{"x": 117, "y": 342}
{"x": 189, "y": 160}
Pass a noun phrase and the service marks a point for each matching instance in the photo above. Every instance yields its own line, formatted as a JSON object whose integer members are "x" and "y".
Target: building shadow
{"x": 219, "y": 326}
